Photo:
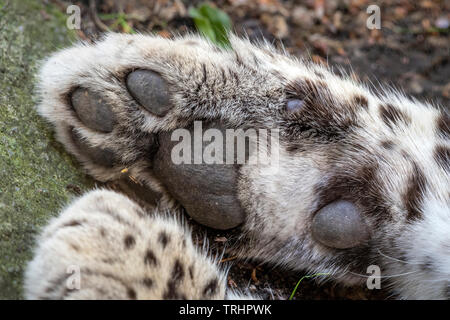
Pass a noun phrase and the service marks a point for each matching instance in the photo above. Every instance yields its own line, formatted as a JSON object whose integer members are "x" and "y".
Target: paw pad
{"x": 150, "y": 90}
{"x": 104, "y": 157}
{"x": 92, "y": 110}
{"x": 206, "y": 191}
{"x": 339, "y": 225}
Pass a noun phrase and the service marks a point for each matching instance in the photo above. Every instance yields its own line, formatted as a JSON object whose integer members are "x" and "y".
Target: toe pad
{"x": 104, "y": 157}
{"x": 92, "y": 110}
{"x": 150, "y": 90}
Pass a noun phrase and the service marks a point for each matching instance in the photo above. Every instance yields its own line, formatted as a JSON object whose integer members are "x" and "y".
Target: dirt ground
{"x": 410, "y": 51}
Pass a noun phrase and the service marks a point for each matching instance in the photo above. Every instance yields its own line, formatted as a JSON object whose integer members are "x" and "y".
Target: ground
{"x": 36, "y": 176}
{"x": 410, "y": 51}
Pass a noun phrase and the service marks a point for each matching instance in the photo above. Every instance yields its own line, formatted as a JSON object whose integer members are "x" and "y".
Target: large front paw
{"x": 115, "y": 105}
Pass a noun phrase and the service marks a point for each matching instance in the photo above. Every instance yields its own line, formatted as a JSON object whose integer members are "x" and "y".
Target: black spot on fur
{"x": 102, "y": 232}
{"x": 129, "y": 241}
{"x": 387, "y": 144}
{"x": 414, "y": 194}
{"x": 321, "y": 117}
{"x": 278, "y": 75}
{"x": 150, "y": 258}
{"x": 392, "y": 115}
{"x": 293, "y": 148}
{"x": 191, "y": 272}
{"x": 73, "y": 223}
{"x": 148, "y": 282}
{"x": 101, "y": 292}
{"x": 177, "y": 271}
{"x": 443, "y": 125}
{"x": 112, "y": 278}
{"x": 362, "y": 101}
{"x": 211, "y": 288}
{"x": 442, "y": 156}
{"x": 110, "y": 260}
{"x": 406, "y": 156}
{"x": 205, "y": 76}
{"x": 427, "y": 265}
{"x": 111, "y": 213}
{"x": 176, "y": 277}
{"x": 224, "y": 76}
{"x": 255, "y": 60}
{"x": 355, "y": 259}
{"x": 56, "y": 284}
{"x": 163, "y": 238}
{"x": 360, "y": 186}
{"x": 268, "y": 52}
{"x": 191, "y": 43}
{"x": 131, "y": 293}
{"x": 236, "y": 77}
{"x": 238, "y": 59}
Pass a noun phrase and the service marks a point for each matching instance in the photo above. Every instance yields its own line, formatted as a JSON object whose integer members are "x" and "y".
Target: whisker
{"x": 436, "y": 280}
{"x": 383, "y": 277}
{"x": 395, "y": 259}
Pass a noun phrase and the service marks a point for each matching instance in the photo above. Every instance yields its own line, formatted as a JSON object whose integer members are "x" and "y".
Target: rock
{"x": 36, "y": 176}
{"x": 446, "y": 90}
{"x": 416, "y": 86}
{"x": 302, "y": 17}
{"x": 276, "y": 25}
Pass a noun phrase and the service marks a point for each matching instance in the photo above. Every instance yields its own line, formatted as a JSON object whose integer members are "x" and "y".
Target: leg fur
{"x": 120, "y": 252}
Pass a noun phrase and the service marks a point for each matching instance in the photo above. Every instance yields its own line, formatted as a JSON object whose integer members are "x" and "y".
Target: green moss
{"x": 36, "y": 176}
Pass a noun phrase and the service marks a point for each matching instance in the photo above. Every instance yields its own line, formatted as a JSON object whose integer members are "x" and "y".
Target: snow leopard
{"x": 362, "y": 177}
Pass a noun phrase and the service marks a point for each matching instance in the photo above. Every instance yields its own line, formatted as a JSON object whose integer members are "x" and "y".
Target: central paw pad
{"x": 208, "y": 192}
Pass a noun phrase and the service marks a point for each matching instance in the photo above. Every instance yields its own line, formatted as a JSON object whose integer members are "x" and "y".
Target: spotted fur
{"x": 119, "y": 258}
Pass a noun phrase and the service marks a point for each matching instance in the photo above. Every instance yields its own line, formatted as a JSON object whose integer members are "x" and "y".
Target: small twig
{"x": 98, "y": 23}
{"x": 119, "y": 6}
{"x": 227, "y": 259}
{"x": 254, "y": 278}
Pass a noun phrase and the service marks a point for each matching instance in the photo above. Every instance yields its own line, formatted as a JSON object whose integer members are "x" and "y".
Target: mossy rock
{"x": 37, "y": 178}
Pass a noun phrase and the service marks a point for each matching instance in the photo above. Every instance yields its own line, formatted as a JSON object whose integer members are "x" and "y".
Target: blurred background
{"x": 410, "y": 50}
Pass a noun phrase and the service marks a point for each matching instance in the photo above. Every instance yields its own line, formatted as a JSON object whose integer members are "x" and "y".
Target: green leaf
{"x": 305, "y": 277}
{"x": 203, "y": 24}
{"x": 213, "y": 23}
